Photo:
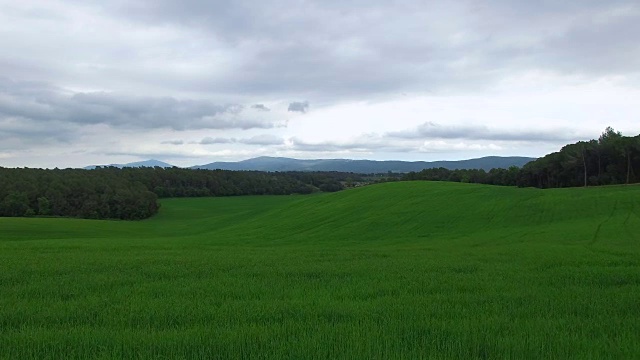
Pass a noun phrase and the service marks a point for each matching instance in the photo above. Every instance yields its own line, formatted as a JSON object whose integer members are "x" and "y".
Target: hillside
{"x": 396, "y": 270}
{"x": 435, "y": 211}
{"x": 267, "y": 163}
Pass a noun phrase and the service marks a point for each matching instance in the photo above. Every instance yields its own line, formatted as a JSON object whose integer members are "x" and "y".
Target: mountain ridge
{"x": 274, "y": 163}
{"x": 268, "y": 163}
{"x": 144, "y": 163}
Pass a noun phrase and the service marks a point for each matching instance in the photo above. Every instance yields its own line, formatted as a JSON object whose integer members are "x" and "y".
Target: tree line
{"x": 496, "y": 176}
{"x": 132, "y": 193}
{"x": 611, "y": 159}
{"x": 74, "y": 193}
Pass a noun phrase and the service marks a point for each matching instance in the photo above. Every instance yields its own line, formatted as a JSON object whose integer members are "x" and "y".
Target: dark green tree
{"x": 15, "y": 204}
{"x": 44, "y": 207}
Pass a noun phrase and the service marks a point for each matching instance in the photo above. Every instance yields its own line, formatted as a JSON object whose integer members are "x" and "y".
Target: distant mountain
{"x": 146, "y": 163}
{"x": 266, "y": 163}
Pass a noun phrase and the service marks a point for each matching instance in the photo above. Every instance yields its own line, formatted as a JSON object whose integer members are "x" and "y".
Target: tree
{"x": 44, "y": 207}
{"x": 610, "y": 145}
{"x": 580, "y": 150}
{"x": 15, "y": 204}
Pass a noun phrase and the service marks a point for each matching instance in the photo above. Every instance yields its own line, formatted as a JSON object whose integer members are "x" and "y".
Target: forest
{"x": 74, "y": 193}
{"x": 132, "y": 193}
{"x": 610, "y": 160}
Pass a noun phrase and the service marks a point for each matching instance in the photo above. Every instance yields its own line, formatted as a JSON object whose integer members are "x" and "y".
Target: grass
{"x": 399, "y": 270}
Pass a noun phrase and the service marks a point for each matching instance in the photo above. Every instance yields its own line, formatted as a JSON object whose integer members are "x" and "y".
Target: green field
{"x": 398, "y": 270}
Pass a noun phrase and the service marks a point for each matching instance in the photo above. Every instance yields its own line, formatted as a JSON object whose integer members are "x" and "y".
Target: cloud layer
{"x": 431, "y": 130}
{"x": 354, "y": 49}
{"x": 45, "y": 104}
{"x": 198, "y": 78}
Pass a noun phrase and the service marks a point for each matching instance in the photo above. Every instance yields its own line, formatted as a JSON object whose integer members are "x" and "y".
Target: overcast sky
{"x": 196, "y": 81}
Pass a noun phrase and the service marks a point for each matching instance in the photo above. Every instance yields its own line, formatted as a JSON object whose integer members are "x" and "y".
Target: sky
{"x": 196, "y": 81}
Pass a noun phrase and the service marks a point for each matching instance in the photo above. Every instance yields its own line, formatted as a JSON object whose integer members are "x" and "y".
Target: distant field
{"x": 398, "y": 270}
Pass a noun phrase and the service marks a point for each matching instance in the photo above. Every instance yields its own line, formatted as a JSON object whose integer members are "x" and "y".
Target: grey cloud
{"x": 597, "y": 47}
{"x": 346, "y": 49}
{"x": 262, "y": 140}
{"x": 299, "y": 106}
{"x": 145, "y": 155}
{"x": 591, "y": 38}
{"x": 20, "y": 133}
{"x": 339, "y": 49}
{"x": 429, "y": 137}
{"x": 219, "y": 140}
{"x": 356, "y": 145}
{"x": 260, "y": 107}
{"x": 42, "y": 103}
{"x": 173, "y": 142}
{"x": 431, "y": 130}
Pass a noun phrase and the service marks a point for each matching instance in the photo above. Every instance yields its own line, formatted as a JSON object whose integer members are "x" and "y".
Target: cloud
{"x": 44, "y": 104}
{"x": 431, "y": 130}
{"x": 364, "y": 143}
{"x": 262, "y": 140}
{"x": 178, "y": 69}
{"x": 265, "y": 139}
{"x": 145, "y": 155}
{"x": 219, "y": 140}
{"x": 330, "y": 51}
{"x": 22, "y": 134}
{"x": 173, "y": 142}
{"x": 347, "y": 50}
{"x": 394, "y": 146}
{"x": 431, "y": 137}
{"x": 574, "y": 37}
{"x": 299, "y": 106}
{"x": 449, "y": 146}
{"x": 260, "y": 107}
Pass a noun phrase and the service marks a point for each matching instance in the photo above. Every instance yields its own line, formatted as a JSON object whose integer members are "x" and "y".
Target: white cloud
{"x": 451, "y": 146}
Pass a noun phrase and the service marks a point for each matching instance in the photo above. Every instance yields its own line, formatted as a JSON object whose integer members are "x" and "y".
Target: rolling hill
{"x": 395, "y": 270}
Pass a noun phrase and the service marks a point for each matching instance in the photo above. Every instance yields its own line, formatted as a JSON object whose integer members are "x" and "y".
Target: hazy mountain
{"x": 266, "y": 163}
{"x": 146, "y": 163}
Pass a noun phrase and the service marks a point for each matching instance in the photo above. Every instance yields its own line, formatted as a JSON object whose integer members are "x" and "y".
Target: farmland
{"x": 397, "y": 270}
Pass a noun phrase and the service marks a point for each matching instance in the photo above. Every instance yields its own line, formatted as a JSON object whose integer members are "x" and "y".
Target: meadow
{"x": 404, "y": 270}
